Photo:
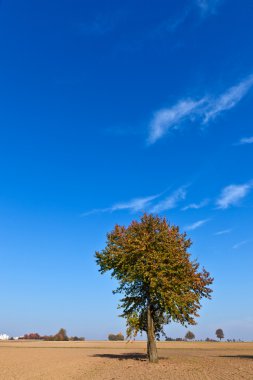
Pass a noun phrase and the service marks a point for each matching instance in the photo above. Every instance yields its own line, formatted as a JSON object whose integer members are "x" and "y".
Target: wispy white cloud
{"x": 134, "y": 205}
{"x": 171, "y": 118}
{"x": 172, "y": 24}
{"x": 102, "y": 24}
{"x": 95, "y": 211}
{"x": 196, "y": 225}
{"x": 196, "y": 206}
{"x": 207, "y": 6}
{"x": 171, "y": 201}
{"x": 245, "y": 140}
{"x": 238, "y": 245}
{"x": 232, "y": 194}
{"x": 203, "y": 110}
{"x": 228, "y": 99}
{"x": 95, "y": 28}
{"x": 150, "y": 203}
{"x": 223, "y": 232}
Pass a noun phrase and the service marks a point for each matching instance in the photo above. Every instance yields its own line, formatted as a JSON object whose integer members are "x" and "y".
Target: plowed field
{"x": 117, "y": 361}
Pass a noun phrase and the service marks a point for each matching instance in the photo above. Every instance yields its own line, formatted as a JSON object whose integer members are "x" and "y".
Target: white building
{"x": 4, "y": 337}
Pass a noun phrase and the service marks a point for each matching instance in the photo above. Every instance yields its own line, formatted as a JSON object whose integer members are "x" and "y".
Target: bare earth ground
{"x": 120, "y": 360}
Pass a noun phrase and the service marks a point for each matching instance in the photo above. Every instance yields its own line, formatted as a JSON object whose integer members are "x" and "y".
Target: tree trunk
{"x": 151, "y": 343}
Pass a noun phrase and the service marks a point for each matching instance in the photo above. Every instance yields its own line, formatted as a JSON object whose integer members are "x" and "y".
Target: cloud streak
{"x": 238, "y": 245}
{"x": 232, "y": 194}
{"x": 149, "y": 204}
{"x": 246, "y": 140}
{"x": 203, "y": 110}
{"x": 223, "y": 232}
{"x": 196, "y": 225}
{"x": 170, "y": 118}
{"x": 229, "y": 99}
{"x": 207, "y": 6}
{"x": 134, "y": 205}
{"x": 196, "y": 206}
{"x": 170, "y": 202}
{"x": 101, "y": 25}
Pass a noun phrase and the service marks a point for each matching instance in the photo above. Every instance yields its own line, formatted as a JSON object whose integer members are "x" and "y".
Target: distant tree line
{"x": 169, "y": 339}
{"x": 190, "y": 336}
{"x": 210, "y": 340}
{"x": 33, "y": 336}
{"x": 60, "y": 336}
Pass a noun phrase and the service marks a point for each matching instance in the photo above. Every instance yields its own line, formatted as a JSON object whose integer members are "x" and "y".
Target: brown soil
{"x": 119, "y": 360}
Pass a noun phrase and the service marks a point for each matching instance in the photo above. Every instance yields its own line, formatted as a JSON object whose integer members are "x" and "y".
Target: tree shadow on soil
{"x": 125, "y": 356}
{"x": 238, "y": 356}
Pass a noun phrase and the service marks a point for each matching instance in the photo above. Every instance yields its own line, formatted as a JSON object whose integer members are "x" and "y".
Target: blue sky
{"x": 109, "y": 109}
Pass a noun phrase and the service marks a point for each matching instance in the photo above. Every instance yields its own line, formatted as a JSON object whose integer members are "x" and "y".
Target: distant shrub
{"x": 210, "y": 340}
{"x": 60, "y": 336}
{"x": 76, "y": 338}
{"x": 34, "y": 336}
{"x": 169, "y": 339}
{"x": 189, "y": 335}
{"x": 114, "y": 337}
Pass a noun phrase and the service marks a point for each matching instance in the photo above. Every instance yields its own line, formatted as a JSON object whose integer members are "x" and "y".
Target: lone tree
{"x": 160, "y": 283}
{"x": 61, "y": 335}
{"x": 189, "y": 335}
{"x": 219, "y": 333}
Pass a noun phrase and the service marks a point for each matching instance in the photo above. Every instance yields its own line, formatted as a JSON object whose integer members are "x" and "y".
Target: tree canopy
{"x": 219, "y": 333}
{"x": 189, "y": 335}
{"x": 160, "y": 283}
